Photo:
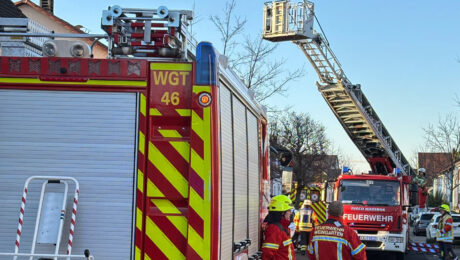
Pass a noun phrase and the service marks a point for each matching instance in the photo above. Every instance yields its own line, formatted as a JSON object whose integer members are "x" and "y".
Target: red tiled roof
{"x": 65, "y": 24}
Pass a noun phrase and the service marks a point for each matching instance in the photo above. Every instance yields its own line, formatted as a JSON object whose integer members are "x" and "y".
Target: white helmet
{"x": 422, "y": 170}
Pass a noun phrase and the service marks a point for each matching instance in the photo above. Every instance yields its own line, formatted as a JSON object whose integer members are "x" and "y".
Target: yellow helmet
{"x": 445, "y": 207}
{"x": 280, "y": 203}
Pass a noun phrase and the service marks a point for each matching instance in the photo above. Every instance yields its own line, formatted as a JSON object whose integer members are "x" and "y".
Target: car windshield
{"x": 427, "y": 216}
{"x": 369, "y": 192}
{"x": 456, "y": 218}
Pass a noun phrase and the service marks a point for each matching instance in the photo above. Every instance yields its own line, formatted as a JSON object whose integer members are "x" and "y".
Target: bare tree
{"x": 228, "y": 26}
{"x": 306, "y": 139}
{"x": 264, "y": 75}
{"x": 444, "y": 137}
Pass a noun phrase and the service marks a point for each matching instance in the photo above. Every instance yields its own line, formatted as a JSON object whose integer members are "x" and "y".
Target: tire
{"x": 400, "y": 256}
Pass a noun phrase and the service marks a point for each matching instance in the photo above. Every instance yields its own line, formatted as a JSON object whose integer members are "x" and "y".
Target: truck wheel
{"x": 400, "y": 256}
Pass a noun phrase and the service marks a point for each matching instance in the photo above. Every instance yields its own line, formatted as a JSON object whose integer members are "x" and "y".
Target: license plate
{"x": 368, "y": 238}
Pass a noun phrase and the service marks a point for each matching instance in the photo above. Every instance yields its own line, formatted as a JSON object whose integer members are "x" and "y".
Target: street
{"x": 409, "y": 255}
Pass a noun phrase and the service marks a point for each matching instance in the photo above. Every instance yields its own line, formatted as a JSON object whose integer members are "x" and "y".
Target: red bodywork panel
{"x": 372, "y": 218}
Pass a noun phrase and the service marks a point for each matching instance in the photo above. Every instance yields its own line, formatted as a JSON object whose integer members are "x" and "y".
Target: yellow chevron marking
{"x": 199, "y": 165}
{"x": 165, "y": 206}
{"x": 171, "y": 66}
{"x": 168, "y": 170}
{"x": 197, "y": 125}
{"x": 141, "y": 142}
{"x": 131, "y": 83}
{"x": 197, "y": 203}
{"x": 197, "y": 243}
{"x": 184, "y": 112}
{"x": 146, "y": 257}
{"x": 180, "y": 222}
{"x": 183, "y": 148}
{"x": 162, "y": 241}
{"x": 170, "y": 133}
{"x": 198, "y": 89}
{"x": 152, "y": 190}
{"x": 140, "y": 181}
{"x": 154, "y": 112}
{"x": 143, "y": 105}
{"x": 137, "y": 254}
{"x": 139, "y": 219}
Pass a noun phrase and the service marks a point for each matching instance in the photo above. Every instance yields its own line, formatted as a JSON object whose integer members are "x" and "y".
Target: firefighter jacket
{"x": 307, "y": 219}
{"x": 333, "y": 240}
{"x": 277, "y": 244}
{"x": 445, "y": 231}
{"x": 296, "y": 221}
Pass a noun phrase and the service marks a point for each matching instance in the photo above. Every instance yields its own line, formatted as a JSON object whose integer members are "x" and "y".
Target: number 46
{"x": 172, "y": 98}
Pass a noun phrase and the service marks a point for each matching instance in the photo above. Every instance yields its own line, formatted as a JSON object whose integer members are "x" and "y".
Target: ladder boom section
{"x": 346, "y": 100}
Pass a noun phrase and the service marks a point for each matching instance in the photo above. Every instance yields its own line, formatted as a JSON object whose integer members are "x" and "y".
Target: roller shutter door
{"x": 253, "y": 198}
{"x": 240, "y": 171}
{"x": 88, "y": 135}
{"x": 227, "y": 173}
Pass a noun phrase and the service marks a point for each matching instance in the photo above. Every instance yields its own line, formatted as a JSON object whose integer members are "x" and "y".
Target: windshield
{"x": 427, "y": 216}
{"x": 369, "y": 192}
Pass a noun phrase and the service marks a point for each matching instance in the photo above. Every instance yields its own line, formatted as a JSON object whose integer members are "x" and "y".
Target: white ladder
{"x": 49, "y": 236}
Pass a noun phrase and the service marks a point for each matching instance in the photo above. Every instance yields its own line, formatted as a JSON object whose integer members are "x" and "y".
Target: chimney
{"x": 47, "y": 5}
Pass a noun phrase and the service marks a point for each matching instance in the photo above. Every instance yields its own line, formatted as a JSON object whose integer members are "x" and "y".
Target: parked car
{"x": 421, "y": 222}
{"x": 433, "y": 226}
{"x": 414, "y": 212}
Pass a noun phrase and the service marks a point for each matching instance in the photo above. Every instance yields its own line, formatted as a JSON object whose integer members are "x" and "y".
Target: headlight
{"x": 395, "y": 239}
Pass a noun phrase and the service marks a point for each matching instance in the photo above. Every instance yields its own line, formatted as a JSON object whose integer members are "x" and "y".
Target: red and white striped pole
{"x": 21, "y": 218}
{"x": 72, "y": 223}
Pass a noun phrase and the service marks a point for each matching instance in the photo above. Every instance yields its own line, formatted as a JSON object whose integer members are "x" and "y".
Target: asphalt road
{"x": 409, "y": 255}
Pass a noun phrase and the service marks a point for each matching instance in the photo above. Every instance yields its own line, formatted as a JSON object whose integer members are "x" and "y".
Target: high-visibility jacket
{"x": 277, "y": 243}
{"x": 333, "y": 240}
{"x": 445, "y": 231}
{"x": 307, "y": 219}
{"x": 296, "y": 221}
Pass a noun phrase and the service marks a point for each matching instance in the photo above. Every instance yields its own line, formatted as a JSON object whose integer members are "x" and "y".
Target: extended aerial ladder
{"x": 288, "y": 21}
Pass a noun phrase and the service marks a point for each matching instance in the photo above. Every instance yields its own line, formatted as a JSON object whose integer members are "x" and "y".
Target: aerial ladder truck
{"x": 380, "y": 222}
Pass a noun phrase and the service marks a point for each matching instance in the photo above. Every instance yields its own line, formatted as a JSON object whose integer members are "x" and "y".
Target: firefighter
{"x": 296, "y": 236}
{"x": 277, "y": 243}
{"x": 334, "y": 240}
{"x": 306, "y": 221}
{"x": 422, "y": 190}
{"x": 445, "y": 233}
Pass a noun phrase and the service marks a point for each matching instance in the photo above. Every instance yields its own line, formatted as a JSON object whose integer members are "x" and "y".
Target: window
{"x": 369, "y": 192}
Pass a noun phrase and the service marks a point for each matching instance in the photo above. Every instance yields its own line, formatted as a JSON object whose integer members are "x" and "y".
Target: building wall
{"x": 55, "y": 26}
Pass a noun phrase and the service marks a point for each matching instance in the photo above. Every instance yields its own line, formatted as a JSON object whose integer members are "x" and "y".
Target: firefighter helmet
{"x": 306, "y": 203}
{"x": 280, "y": 203}
{"x": 445, "y": 207}
{"x": 422, "y": 170}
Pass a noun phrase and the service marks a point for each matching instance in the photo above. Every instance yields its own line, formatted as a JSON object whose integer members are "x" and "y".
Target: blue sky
{"x": 403, "y": 53}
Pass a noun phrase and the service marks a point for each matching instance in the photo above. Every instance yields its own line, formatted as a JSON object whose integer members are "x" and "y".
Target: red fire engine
{"x": 380, "y": 222}
{"x": 166, "y": 149}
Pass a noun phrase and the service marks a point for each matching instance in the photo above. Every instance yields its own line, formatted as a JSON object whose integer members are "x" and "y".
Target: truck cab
{"x": 375, "y": 206}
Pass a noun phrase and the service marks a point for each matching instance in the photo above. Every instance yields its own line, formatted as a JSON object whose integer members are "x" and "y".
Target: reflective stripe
{"x": 287, "y": 242}
{"x": 316, "y": 250}
{"x": 339, "y": 251}
{"x": 290, "y": 253}
{"x": 447, "y": 223}
{"x": 331, "y": 239}
{"x": 358, "y": 249}
{"x": 310, "y": 248}
{"x": 270, "y": 245}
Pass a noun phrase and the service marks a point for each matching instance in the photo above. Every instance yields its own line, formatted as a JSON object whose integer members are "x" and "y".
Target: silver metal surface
{"x": 240, "y": 222}
{"x": 253, "y": 182}
{"x": 54, "y": 35}
{"x": 226, "y": 232}
{"x": 88, "y": 135}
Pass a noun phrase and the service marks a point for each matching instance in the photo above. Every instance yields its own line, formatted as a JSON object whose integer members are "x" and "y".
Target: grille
{"x": 34, "y": 65}
{"x": 372, "y": 243}
{"x": 114, "y": 68}
{"x": 134, "y": 68}
{"x": 15, "y": 65}
{"x": 94, "y": 67}
{"x": 74, "y": 67}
